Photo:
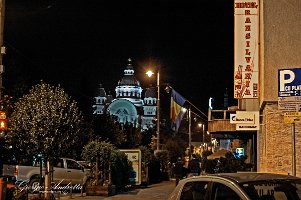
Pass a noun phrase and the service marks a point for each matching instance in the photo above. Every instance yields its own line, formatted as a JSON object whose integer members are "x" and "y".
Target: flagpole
{"x": 169, "y": 88}
{"x": 189, "y": 132}
{"x": 180, "y": 101}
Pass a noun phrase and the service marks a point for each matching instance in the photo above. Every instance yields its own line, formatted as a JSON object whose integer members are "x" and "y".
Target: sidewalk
{"x": 159, "y": 191}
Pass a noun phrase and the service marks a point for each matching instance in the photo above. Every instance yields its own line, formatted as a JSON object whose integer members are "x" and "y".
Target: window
{"x": 273, "y": 189}
{"x": 72, "y": 165}
{"x": 223, "y": 192}
{"x": 194, "y": 190}
{"x": 59, "y": 163}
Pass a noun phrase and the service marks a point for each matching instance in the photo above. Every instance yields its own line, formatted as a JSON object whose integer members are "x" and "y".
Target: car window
{"x": 223, "y": 192}
{"x": 194, "y": 190}
{"x": 59, "y": 163}
{"x": 273, "y": 189}
{"x": 72, "y": 164}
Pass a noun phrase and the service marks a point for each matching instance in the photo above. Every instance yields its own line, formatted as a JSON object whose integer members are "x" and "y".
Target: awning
{"x": 218, "y": 154}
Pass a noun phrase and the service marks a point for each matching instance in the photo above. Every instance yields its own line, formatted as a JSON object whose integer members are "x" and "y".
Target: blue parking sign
{"x": 289, "y": 82}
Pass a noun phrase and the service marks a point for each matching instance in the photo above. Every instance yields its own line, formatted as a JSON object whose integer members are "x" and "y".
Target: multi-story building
{"x": 276, "y": 145}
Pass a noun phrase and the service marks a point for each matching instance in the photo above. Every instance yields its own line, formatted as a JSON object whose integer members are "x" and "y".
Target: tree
{"x": 162, "y": 157}
{"x": 46, "y": 121}
{"x": 121, "y": 170}
{"x": 176, "y": 148}
{"x": 147, "y": 135}
{"x": 133, "y": 136}
{"x": 146, "y": 158}
{"x": 106, "y": 128}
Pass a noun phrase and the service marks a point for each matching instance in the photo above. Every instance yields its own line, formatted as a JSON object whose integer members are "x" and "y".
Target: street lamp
{"x": 150, "y": 73}
{"x": 203, "y": 126}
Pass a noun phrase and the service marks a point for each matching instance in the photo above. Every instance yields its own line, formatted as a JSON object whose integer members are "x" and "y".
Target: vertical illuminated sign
{"x": 246, "y": 48}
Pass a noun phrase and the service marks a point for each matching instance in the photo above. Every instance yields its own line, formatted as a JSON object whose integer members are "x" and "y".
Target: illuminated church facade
{"x": 128, "y": 106}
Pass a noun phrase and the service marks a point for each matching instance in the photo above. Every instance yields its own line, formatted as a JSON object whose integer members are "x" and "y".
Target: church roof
{"x": 109, "y": 98}
{"x": 129, "y": 77}
{"x": 100, "y": 92}
{"x": 129, "y": 80}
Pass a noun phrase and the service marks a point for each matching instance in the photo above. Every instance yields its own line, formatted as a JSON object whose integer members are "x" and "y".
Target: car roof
{"x": 243, "y": 177}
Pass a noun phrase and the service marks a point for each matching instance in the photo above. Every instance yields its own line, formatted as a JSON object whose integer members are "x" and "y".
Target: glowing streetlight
{"x": 203, "y": 126}
{"x": 149, "y": 74}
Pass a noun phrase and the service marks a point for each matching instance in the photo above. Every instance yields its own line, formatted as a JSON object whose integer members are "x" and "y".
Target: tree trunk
{"x": 96, "y": 171}
{"x": 110, "y": 177}
{"x": 48, "y": 175}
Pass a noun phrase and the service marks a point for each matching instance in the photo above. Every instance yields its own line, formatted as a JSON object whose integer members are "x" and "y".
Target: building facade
{"x": 129, "y": 104}
{"x": 277, "y": 143}
{"x": 280, "y": 47}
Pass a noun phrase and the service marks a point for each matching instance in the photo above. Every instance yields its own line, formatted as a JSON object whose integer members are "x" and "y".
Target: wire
{"x": 197, "y": 110}
{"x": 192, "y": 106}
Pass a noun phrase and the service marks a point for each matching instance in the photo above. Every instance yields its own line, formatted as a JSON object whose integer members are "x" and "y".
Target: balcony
{"x": 219, "y": 121}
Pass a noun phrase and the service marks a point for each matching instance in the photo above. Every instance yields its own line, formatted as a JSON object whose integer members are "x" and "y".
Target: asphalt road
{"x": 159, "y": 191}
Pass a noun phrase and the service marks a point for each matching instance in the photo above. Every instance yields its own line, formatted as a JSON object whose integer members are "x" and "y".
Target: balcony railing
{"x": 219, "y": 120}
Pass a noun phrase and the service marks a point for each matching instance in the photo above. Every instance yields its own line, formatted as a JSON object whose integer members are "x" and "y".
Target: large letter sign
{"x": 246, "y": 49}
{"x": 289, "y": 82}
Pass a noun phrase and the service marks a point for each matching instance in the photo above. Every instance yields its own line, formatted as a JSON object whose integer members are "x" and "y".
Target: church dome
{"x": 150, "y": 92}
{"x": 100, "y": 92}
{"x": 129, "y": 79}
{"x": 129, "y": 87}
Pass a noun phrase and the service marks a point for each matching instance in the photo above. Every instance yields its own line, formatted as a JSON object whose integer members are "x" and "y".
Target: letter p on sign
{"x": 285, "y": 77}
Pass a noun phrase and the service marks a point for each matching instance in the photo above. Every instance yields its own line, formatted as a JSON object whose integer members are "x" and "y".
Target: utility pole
{"x": 189, "y": 133}
{"x": 2, "y": 48}
{"x": 2, "y": 51}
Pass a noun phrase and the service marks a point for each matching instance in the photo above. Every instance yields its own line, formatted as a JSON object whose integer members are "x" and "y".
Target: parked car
{"x": 238, "y": 186}
{"x": 66, "y": 171}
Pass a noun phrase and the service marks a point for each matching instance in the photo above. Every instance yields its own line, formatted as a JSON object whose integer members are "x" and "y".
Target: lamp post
{"x": 150, "y": 73}
{"x": 189, "y": 132}
{"x": 203, "y": 126}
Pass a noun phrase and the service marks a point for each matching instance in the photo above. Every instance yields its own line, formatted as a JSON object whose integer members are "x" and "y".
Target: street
{"x": 159, "y": 191}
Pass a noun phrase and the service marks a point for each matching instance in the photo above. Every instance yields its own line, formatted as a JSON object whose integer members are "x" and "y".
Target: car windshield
{"x": 273, "y": 189}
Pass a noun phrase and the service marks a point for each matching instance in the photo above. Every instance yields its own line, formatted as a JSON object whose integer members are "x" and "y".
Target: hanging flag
{"x": 176, "y": 110}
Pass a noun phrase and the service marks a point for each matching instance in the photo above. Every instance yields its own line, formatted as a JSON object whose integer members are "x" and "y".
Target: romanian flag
{"x": 176, "y": 109}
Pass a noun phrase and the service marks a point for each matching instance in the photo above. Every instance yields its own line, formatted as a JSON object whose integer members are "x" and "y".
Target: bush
{"x": 120, "y": 170}
{"x": 226, "y": 165}
{"x": 108, "y": 157}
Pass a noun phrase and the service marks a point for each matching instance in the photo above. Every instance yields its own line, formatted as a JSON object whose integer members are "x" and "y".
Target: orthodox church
{"x": 128, "y": 106}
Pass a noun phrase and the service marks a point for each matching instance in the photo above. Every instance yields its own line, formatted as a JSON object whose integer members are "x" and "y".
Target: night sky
{"x": 79, "y": 44}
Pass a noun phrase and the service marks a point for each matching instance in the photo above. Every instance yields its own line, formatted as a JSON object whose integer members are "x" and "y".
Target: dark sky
{"x": 79, "y": 44}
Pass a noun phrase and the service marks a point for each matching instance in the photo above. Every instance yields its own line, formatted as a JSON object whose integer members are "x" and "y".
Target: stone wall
{"x": 280, "y": 47}
{"x": 275, "y": 143}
